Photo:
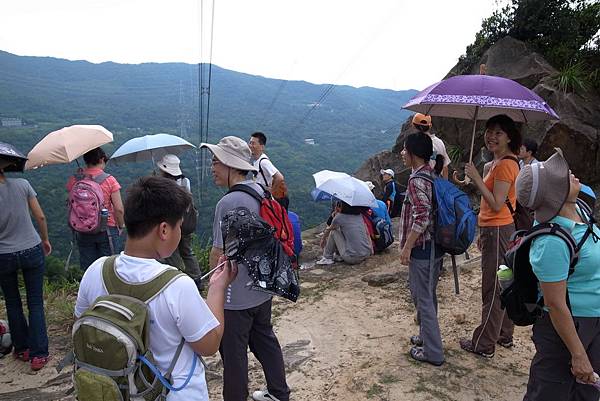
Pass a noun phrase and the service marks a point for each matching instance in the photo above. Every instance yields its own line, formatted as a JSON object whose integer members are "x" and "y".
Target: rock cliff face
{"x": 577, "y": 132}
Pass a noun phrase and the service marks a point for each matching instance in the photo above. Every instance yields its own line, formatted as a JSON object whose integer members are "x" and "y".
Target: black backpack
{"x": 249, "y": 239}
{"x": 520, "y": 299}
{"x": 522, "y": 216}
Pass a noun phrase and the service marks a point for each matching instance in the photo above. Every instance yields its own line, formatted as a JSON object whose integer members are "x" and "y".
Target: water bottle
{"x": 103, "y": 219}
{"x": 505, "y": 276}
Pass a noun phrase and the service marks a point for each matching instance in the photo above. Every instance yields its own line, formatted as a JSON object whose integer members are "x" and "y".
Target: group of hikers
{"x": 234, "y": 317}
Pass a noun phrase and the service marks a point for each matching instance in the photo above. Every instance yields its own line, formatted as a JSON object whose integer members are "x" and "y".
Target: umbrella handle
{"x": 467, "y": 180}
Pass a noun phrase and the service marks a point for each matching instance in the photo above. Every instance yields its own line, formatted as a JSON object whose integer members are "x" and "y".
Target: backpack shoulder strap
{"x": 145, "y": 292}
{"x": 423, "y": 175}
{"x": 513, "y": 158}
{"x": 99, "y": 179}
{"x": 246, "y": 189}
{"x": 511, "y": 209}
{"x": 260, "y": 170}
{"x": 565, "y": 235}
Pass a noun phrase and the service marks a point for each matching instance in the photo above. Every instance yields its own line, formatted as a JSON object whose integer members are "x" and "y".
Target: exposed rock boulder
{"x": 369, "y": 171}
{"x": 577, "y": 132}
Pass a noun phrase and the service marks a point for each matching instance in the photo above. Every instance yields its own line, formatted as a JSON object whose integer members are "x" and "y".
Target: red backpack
{"x": 369, "y": 227}
{"x": 274, "y": 214}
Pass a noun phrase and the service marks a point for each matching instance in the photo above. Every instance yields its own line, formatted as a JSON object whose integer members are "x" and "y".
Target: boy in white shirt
{"x": 154, "y": 211}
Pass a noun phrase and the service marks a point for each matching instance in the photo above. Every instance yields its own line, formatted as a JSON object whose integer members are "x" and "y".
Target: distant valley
{"x": 133, "y": 100}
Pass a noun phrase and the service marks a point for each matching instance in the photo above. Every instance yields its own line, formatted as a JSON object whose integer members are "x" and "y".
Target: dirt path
{"x": 347, "y": 340}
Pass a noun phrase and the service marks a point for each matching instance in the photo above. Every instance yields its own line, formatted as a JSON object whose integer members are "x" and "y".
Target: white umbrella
{"x": 350, "y": 190}
{"x": 150, "y": 147}
{"x": 325, "y": 175}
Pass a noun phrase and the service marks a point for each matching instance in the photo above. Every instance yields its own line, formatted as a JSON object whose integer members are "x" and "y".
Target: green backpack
{"x": 112, "y": 360}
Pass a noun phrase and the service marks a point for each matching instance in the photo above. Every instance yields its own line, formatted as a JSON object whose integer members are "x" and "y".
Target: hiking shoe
{"x": 337, "y": 258}
{"x": 468, "y": 346}
{"x": 418, "y": 354}
{"x": 416, "y": 340}
{"x": 21, "y": 355}
{"x": 506, "y": 343}
{"x": 38, "y": 362}
{"x": 263, "y": 395}
{"x": 325, "y": 261}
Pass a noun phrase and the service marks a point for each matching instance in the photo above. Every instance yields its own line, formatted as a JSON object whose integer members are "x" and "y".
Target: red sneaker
{"x": 38, "y": 362}
{"x": 21, "y": 355}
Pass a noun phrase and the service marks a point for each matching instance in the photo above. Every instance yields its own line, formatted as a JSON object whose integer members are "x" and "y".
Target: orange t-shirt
{"x": 503, "y": 170}
{"x": 108, "y": 186}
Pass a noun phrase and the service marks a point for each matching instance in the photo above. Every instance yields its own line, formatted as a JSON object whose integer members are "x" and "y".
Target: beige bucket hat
{"x": 170, "y": 165}
{"x": 232, "y": 152}
{"x": 544, "y": 186}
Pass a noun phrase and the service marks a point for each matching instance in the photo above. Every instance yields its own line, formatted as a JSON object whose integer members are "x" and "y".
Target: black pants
{"x": 550, "y": 377}
{"x": 253, "y": 328}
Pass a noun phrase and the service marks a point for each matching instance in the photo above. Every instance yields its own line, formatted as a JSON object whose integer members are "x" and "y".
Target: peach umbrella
{"x": 67, "y": 144}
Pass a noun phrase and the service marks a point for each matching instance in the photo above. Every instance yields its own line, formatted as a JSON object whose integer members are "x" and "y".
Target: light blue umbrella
{"x": 150, "y": 147}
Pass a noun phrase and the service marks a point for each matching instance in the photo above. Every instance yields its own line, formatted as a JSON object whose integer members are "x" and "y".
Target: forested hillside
{"x": 133, "y": 100}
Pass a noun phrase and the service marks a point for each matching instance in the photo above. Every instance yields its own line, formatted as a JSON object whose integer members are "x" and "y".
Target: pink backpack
{"x": 86, "y": 201}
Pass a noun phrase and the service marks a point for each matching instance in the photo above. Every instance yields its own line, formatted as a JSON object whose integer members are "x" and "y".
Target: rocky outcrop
{"x": 577, "y": 132}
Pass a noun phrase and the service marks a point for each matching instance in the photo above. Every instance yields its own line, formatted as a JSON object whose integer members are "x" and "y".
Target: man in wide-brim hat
{"x": 247, "y": 312}
{"x": 566, "y": 337}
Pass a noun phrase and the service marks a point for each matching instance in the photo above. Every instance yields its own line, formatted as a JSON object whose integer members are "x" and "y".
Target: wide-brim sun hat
{"x": 232, "y": 152}
{"x": 544, "y": 187}
{"x": 170, "y": 165}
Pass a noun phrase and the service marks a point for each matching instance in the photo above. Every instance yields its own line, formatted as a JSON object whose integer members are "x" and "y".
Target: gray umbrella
{"x": 10, "y": 154}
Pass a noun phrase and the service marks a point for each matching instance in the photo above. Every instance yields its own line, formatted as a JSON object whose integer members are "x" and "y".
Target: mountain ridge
{"x": 137, "y": 99}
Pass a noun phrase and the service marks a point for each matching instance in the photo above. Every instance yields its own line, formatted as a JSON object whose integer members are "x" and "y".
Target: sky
{"x": 391, "y": 44}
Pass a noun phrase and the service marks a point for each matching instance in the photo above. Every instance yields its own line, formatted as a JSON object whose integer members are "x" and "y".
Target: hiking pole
{"x": 455, "y": 273}
{"x": 213, "y": 270}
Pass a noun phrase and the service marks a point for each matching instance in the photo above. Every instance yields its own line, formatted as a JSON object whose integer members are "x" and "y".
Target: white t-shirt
{"x": 439, "y": 148}
{"x": 268, "y": 169}
{"x": 178, "y": 311}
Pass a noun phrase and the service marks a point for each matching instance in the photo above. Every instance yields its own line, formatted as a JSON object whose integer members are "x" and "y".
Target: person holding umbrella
{"x": 103, "y": 243}
{"x": 497, "y": 187}
{"x": 169, "y": 167}
{"x": 22, "y": 248}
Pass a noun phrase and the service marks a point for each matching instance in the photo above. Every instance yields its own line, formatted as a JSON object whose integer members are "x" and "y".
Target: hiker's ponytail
{"x": 439, "y": 164}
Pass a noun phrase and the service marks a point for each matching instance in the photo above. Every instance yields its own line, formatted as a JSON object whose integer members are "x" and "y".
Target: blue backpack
{"x": 455, "y": 221}
{"x": 384, "y": 233}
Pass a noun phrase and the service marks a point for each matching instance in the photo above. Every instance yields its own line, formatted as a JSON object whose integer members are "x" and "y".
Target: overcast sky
{"x": 395, "y": 44}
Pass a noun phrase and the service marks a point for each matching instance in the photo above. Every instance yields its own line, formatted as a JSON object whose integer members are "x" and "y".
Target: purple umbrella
{"x": 479, "y": 97}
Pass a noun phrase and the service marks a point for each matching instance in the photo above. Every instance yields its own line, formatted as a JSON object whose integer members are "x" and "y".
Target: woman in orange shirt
{"x": 503, "y": 139}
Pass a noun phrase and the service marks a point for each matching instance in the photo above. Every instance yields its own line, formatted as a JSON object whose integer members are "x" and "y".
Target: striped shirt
{"x": 417, "y": 209}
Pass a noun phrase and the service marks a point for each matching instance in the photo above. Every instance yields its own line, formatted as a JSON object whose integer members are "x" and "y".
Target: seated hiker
{"x": 393, "y": 193}
{"x": 566, "y": 336}
{"x": 183, "y": 257}
{"x": 347, "y": 236}
{"x": 154, "y": 210}
{"x": 106, "y": 240}
{"x": 418, "y": 250}
{"x": 296, "y": 225}
{"x": 379, "y": 208}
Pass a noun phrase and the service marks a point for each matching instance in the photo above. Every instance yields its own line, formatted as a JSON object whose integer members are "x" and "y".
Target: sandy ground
{"x": 347, "y": 340}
